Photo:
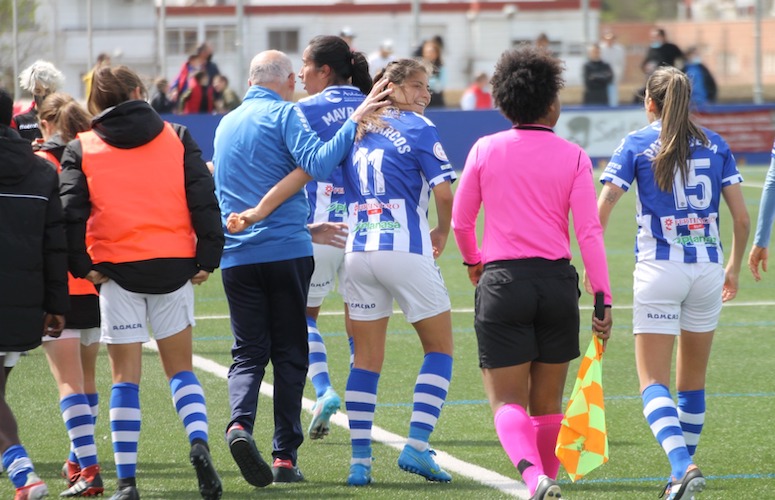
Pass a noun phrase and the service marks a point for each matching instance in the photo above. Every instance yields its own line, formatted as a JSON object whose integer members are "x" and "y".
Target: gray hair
{"x": 42, "y": 73}
{"x": 271, "y": 66}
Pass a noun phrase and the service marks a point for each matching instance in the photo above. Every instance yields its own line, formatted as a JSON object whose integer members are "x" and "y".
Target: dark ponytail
{"x": 346, "y": 66}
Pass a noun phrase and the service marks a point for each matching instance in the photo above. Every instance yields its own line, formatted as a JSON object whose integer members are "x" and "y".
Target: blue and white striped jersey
{"x": 388, "y": 183}
{"x": 682, "y": 225}
{"x": 326, "y": 112}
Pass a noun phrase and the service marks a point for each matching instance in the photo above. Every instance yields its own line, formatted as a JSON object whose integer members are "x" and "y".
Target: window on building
{"x": 223, "y": 39}
{"x": 181, "y": 40}
{"x": 284, "y": 40}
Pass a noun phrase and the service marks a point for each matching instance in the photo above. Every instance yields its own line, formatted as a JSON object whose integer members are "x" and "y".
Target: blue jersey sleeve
{"x": 620, "y": 170}
{"x": 432, "y": 159}
{"x": 729, "y": 173}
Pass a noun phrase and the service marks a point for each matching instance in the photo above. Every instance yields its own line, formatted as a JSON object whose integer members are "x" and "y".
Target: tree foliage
{"x": 29, "y": 37}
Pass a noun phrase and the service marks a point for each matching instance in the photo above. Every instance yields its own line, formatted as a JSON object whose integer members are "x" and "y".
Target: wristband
{"x": 471, "y": 265}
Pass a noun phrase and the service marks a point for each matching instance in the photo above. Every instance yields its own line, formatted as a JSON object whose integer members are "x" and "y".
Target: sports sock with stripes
{"x": 125, "y": 427}
{"x": 318, "y": 359}
{"x": 94, "y": 400}
{"x": 662, "y": 416}
{"x": 360, "y": 401}
{"x": 691, "y": 414}
{"x": 79, "y": 422}
{"x": 17, "y": 465}
{"x": 189, "y": 400}
{"x": 430, "y": 392}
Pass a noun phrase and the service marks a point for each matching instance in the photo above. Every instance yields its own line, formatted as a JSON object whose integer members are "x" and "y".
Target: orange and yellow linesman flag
{"x": 582, "y": 444}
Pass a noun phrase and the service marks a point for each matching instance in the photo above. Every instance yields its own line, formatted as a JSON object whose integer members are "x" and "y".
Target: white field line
{"x": 755, "y": 303}
{"x": 481, "y": 475}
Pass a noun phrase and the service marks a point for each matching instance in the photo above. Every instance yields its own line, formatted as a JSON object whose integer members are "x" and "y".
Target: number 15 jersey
{"x": 682, "y": 225}
{"x": 388, "y": 181}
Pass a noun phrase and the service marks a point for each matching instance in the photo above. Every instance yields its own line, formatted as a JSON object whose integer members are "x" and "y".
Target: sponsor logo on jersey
{"x": 338, "y": 208}
{"x": 438, "y": 151}
{"x": 374, "y": 207}
{"x": 329, "y": 189}
{"x": 332, "y": 96}
{"x": 338, "y": 190}
{"x": 385, "y": 225}
{"x": 693, "y": 241}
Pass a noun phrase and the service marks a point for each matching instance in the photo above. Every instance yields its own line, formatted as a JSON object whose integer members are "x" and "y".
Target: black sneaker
{"x": 547, "y": 489}
{"x": 692, "y": 482}
{"x": 209, "y": 483}
{"x": 126, "y": 493}
{"x": 284, "y": 471}
{"x": 253, "y": 468}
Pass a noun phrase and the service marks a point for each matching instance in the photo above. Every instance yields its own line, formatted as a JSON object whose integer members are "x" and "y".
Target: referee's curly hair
{"x": 526, "y": 82}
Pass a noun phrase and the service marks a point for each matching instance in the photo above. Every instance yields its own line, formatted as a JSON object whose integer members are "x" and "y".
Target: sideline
{"x": 478, "y": 474}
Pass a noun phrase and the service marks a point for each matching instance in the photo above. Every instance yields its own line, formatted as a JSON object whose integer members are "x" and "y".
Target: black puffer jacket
{"x": 33, "y": 252}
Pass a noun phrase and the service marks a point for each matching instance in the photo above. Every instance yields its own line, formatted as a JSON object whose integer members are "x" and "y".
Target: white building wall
{"x": 127, "y": 29}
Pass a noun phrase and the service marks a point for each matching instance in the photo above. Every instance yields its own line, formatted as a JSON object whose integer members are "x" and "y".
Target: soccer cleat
{"x": 126, "y": 493}
{"x": 88, "y": 485}
{"x": 283, "y": 471}
{"x": 328, "y": 404}
{"x": 34, "y": 489}
{"x": 692, "y": 482}
{"x": 547, "y": 489}
{"x": 209, "y": 483}
{"x": 422, "y": 463}
{"x": 360, "y": 475}
{"x": 252, "y": 466}
{"x": 71, "y": 472}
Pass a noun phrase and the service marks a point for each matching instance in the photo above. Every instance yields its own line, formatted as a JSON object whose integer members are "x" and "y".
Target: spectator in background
{"x": 615, "y": 55}
{"x": 703, "y": 84}
{"x": 660, "y": 53}
{"x": 477, "y": 96}
{"x": 225, "y": 97}
{"x": 597, "y": 76}
{"x": 103, "y": 58}
{"x": 198, "y": 98}
{"x": 431, "y": 55}
{"x": 348, "y": 35}
{"x": 542, "y": 43}
{"x": 40, "y": 79}
{"x": 201, "y": 60}
{"x": 160, "y": 100}
{"x": 33, "y": 266}
{"x": 379, "y": 59}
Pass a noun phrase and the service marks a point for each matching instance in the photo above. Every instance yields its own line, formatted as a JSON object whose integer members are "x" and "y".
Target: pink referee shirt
{"x": 529, "y": 182}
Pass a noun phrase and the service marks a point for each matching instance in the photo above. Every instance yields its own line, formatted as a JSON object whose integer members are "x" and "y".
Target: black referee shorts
{"x": 527, "y": 310}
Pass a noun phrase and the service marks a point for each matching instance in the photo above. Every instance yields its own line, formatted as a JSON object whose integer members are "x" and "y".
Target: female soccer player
{"x": 527, "y": 296}
{"x": 395, "y": 164}
{"x": 72, "y": 357}
{"x": 337, "y": 80}
{"x": 145, "y": 254}
{"x": 682, "y": 171}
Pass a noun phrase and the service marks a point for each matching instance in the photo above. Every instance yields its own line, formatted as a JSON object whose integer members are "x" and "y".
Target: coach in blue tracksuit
{"x": 266, "y": 269}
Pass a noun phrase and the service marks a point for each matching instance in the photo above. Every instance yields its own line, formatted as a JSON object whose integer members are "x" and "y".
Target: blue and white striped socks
{"x": 662, "y": 416}
{"x": 691, "y": 414}
{"x": 125, "y": 427}
{"x": 430, "y": 392}
{"x": 189, "y": 400}
{"x": 318, "y": 359}
{"x": 360, "y": 401}
{"x": 17, "y": 465}
{"x": 79, "y": 421}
